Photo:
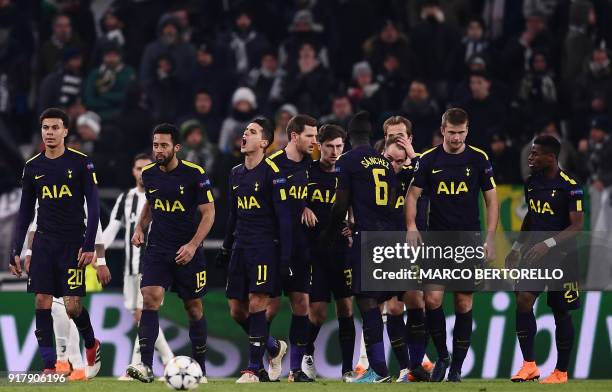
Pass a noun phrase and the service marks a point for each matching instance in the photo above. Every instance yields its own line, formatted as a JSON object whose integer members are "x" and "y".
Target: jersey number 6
{"x": 382, "y": 188}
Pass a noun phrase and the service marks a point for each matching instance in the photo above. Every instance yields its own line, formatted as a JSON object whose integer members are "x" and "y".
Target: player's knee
{"x": 344, "y": 309}
{"x": 317, "y": 315}
{"x": 463, "y": 304}
{"x": 237, "y": 313}
{"x": 524, "y": 302}
{"x": 433, "y": 302}
{"x": 194, "y": 310}
{"x": 73, "y": 309}
{"x": 299, "y": 304}
{"x": 43, "y": 301}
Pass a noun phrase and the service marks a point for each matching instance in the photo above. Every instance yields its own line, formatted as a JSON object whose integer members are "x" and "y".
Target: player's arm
{"x": 283, "y": 212}
{"x": 114, "y": 223}
{"x": 102, "y": 271}
{"x": 206, "y": 207}
{"x": 492, "y": 206}
{"x": 337, "y": 214}
{"x": 223, "y": 256}
{"x": 186, "y": 252}
{"x": 90, "y": 190}
{"x": 413, "y": 238}
{"x": 144, "y": 220}
{"x": 26, "y": 213}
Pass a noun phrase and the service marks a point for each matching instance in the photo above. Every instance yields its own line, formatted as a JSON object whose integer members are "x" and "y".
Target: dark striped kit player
{"x": 366, "y": 183}
{"x": 258, "y": 237}
{"x": 453, "y": 174}
{"x": 60, "y": 179}
{"x": 330, "y": 272}
{"x": 180, "y": 209}
{"x": 554, "y": 217}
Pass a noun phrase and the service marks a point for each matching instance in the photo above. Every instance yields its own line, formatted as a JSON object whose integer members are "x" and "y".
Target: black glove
{"x": 285, "y": 272}
{"x": 223, "y": 258}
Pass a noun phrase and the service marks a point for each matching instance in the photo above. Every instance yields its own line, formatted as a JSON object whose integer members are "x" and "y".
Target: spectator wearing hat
{"x": 106, "y": 86}
{"x": 51, "y": 52}
{"x": 244, "y": 106}
{"x": 167, "y": 95}
{"x": 206, "y": 112}
{"x": 169, "y": 44}
{"x": 309, "y": 84}
{"x": 303, "y": 29}
{"x": 281, "y": 119}
{"x": 247, "y": 45}
{"x": 504, "y": 158}
{"x": 196, "y": 147}
{"x": 474, "y": 43}
{"x": 365, "y": 93}
{"x": 88, "y": 129}
{"x": 62, "y": 88}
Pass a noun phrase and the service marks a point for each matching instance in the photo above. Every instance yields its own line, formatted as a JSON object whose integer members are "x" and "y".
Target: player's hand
{"x": 85, "y": 258}
{"x": 185, "y": 254}
{"x": 406, "y": 144}
{"x": 104, "y": 275}
{"x": 26, "y": 265}
{"x": 309, "y": 218}
{"x": 285, "y": 272}
{"x": 413, "y": 238}
{"x": 138, "y": 237}
{"x": 347, "y": 232}
{"x": 223, "y": 258}
{"x": 512, "y": 259}
{"x": 15, "y": 266}
{"x": 536, "y": 253}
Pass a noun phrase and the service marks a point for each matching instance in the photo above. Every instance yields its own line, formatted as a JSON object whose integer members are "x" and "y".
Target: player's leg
{"x": 373, "y": 336}
{"x": 79, "y": 372}
{"x": 44, "y": 330}
{"x": 80, "y": 317}
{"x": 526, "y": 329}
{"x": 61, "y": 330}
{"x": 317, "y": 315}
{"x": 462, "y": 333}
{"x": 298, "y": 334}
{"x": 346, "y": 334}
{"x": 131, "y": 298}
{"x": 561, "y": 304}
{"x": 148, "y": 329}
{"x": 416, "y": 334}
{"x": 396, "y": 330}
{"x": 198, "y": 330}
{"x": 258, "y": 331}
{"x": 436, "y": 325}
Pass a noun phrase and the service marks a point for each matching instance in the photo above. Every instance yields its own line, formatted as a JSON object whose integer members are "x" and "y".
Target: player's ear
{"x": 177, "y": 147}
{"x": 264, "y": 143}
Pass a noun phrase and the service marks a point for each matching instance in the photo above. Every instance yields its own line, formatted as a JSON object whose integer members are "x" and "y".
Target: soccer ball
{"x": 182, "y": 373}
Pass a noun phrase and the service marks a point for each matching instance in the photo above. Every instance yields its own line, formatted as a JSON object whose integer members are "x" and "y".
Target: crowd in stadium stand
{"x": 519, "y": 67}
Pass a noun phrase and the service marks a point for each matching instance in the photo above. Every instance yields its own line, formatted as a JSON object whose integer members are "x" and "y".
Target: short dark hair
{"x": 267, "y": 128}
{"x": 55, "y": 113}
{"x": 331, "y": 132}
{"x": 168, "y": 129}
{"x": 454, "y": 116}
{"x": 549, "y": 144}
{"x": 141, "y": 155}
{"x": 298, "y": 123}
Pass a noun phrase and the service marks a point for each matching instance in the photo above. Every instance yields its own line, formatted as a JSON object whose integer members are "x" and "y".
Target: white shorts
{"x": 132, "y": 298}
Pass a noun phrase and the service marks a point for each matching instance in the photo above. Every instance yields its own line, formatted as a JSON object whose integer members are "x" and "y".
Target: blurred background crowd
{"x": 519, "y": 67}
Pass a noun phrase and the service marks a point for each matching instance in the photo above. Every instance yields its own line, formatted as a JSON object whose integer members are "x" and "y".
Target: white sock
{"x": 162, "y": 347}
{"x": 136, "y": 352}
{"x": 61, "y": 329}
{"x": 363, "y": 355}
{"x": 74, "y": 348}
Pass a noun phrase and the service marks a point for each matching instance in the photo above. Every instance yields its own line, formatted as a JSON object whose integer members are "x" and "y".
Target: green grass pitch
{"x": 107, "y": 384}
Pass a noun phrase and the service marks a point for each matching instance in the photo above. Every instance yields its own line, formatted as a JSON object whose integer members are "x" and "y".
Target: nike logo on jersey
{"x": 235, "y": 187}
{"x": 37, "y": 177}
{"x": 434, "y": 171}
{"x": 153, "y": 190}
{"x": 258, "y": 283}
